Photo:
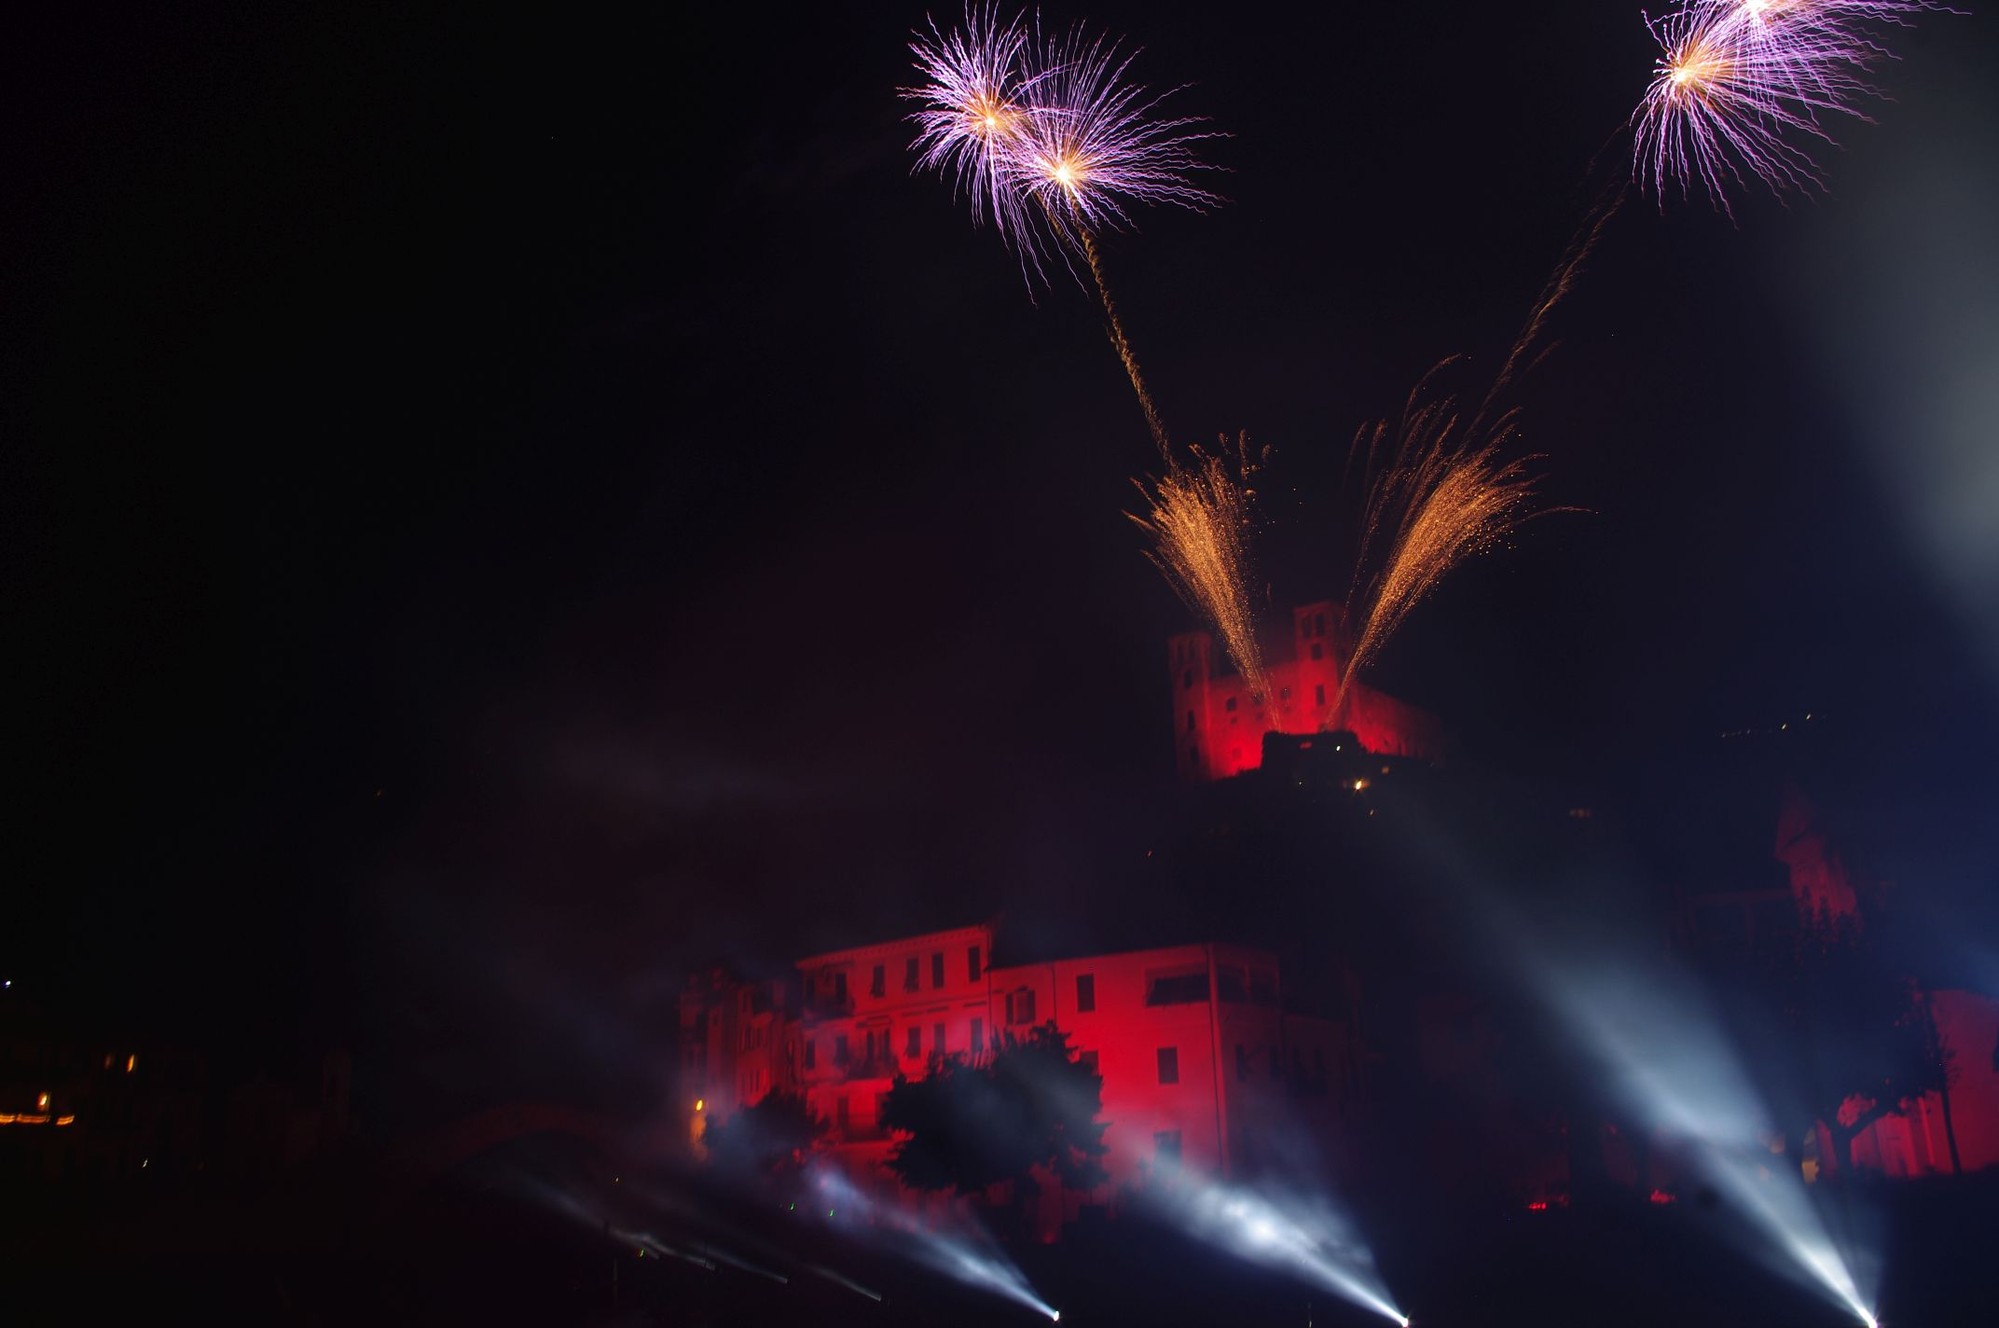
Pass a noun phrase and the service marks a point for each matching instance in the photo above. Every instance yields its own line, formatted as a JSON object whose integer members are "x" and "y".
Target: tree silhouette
{"x": 972, "y": 1123}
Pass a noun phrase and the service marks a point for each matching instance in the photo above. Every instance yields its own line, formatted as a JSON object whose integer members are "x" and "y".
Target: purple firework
{"x": 1093, "y": 146}
{"x": 1740, "y": 85}
{"x": 1044, "y": 133}
{"x": 972, "y": 115}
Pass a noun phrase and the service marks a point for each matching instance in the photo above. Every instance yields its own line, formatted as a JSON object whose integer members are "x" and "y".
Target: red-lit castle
{"x": 1219, "y": 725}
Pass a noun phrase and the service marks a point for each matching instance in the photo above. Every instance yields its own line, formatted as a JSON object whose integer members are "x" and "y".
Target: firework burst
{"x": 1743, "y": 86}
{"x": 1051, "y": 142}
{"x": 1439, "y": 501}
{"x": 970, "y": 116}
{"x": 1095, "y": 145}
{"x": 1198, "y": 518}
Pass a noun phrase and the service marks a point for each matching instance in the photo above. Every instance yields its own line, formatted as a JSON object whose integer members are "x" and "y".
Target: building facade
{"x": 1219, "y": 723}
{"x": 1201, "y": 1064}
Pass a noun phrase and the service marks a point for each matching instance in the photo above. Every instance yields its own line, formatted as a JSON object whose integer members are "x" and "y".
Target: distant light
{"x": 1867, "y": 1316}
{"x": 700, "y": 1104}
{"x": 145, "y": 1161}
{"x": 65, "y": 1120}
{"x": 131, "y": 1062}
{"x": 41, "y": 1102}
{"x": 1055, "y": 1316}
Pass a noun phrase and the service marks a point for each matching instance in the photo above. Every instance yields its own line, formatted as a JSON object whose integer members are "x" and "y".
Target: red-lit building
{"x": 1201, "y": 1064}
{"x": 1218, "y": 723}
{"x": 1818, "y": 882}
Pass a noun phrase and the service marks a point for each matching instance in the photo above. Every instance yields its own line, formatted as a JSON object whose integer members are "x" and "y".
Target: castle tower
{"x": 1317, "y": 635}
{"x": 1191, "y": 658}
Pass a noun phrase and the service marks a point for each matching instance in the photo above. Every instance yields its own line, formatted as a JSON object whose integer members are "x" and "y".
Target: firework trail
{"x": 1440, "y": 501}
{"x": 1738, "y": 81}
{"x": 1050, "y": 140}
{"x": 1122, "y": 345}
{"x": 1559, "y": 283}
{"x": 1094, "y": 147}
{"x": 1198, "y": 518}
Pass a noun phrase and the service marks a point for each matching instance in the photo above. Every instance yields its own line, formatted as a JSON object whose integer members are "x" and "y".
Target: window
{"x": 1190, "y": 721}
{"x": 840, "y": 988}
{"x": 1319, "y": 624}
{"x": 811, "y": 1054}
{"x": 1187, "y": 680}
{"x": 878, "y": 983}
{"x": 978, "y": 1036}
{"x": 915, "y": 1041}
{"x": 1229, "y": 705}
{"x": 843, "y": 1113}
{"x": 1020, "y": 1006}
{"x": 1318, "y": 651}
{"x": 937, "y": 969}
{"x": 1241, "y": 1061}
{"x": 1187, "y": 988}
{"x": 1086, "y": 992}
{"x": 937, "y": 1038}
{"x": 1169, "y": 1065}
{"x": 975, "y": 964}
{"x": 912, "y": 969}
{"x": 842, "y": 1053}
{"x": 1319, "y": 694}
{"x": 1166, "y": 1146}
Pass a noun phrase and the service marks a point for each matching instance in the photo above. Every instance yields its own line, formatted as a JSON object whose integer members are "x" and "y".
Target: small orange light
{"x": 131, "y": 1063}
{"x": 41, "y": 1102}
{"x": 700, "y": 1104}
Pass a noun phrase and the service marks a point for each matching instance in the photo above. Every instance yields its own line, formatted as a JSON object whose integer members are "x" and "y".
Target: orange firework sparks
{"x": 1199, "y": 519}
{"x": 1439, "y": 502}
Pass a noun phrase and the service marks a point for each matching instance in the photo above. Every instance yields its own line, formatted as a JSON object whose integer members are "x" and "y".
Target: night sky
{"x": 498, "y": 509}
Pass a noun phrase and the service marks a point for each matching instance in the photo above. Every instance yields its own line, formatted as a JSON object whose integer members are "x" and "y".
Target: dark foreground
{"x": 494, "y": 1244}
